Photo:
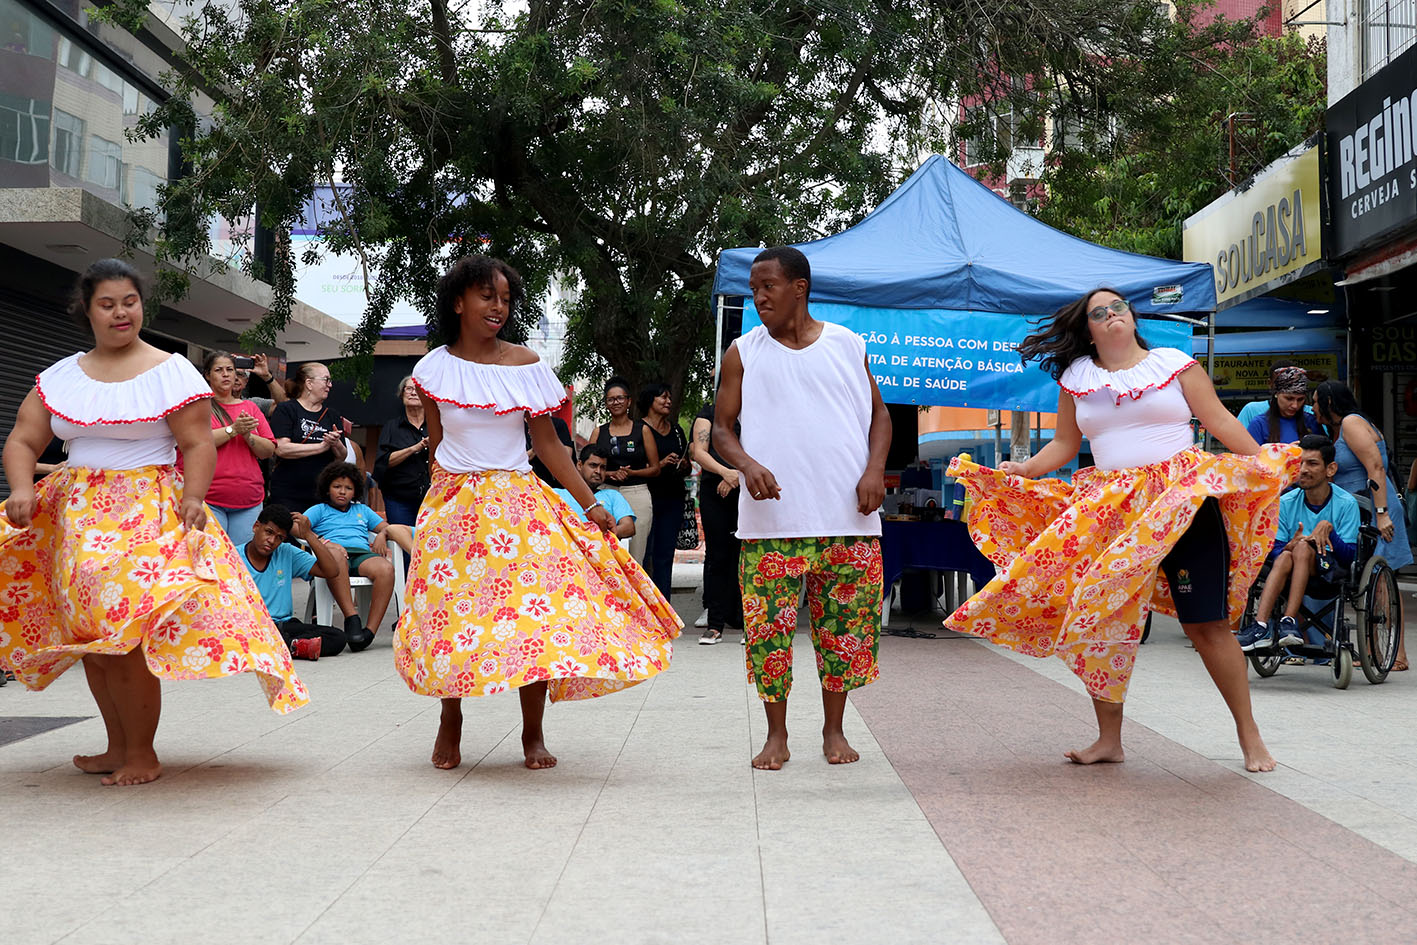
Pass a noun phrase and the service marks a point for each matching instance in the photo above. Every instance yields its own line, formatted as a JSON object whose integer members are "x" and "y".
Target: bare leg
{"x": 1299, "y": 577}
{"x": 1220, "y": 652}
{"x": 834, "y": 743}
{"x": 533, "y": 698}
{"x": 447, "y": 747}
{"x": 774, "y": 754}
{"x": 137, "y": 695}
{"x": 402, "y": 536}
{"x": 1274, "y": 585}
{"x": 339, "y": 584}
{"x": 112, "y": 757}
{"x": 381, "y": 572}
{"x": 1108, "y": 747}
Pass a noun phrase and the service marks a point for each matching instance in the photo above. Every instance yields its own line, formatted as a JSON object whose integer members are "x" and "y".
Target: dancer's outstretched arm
{"x": 1067, "y": 438}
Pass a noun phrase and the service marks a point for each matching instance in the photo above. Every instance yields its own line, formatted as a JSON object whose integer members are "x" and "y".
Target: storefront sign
{"x": 1394, "y": 348}
{"x": 947, "y": 358}
{"x": 1372, "y": 174}
{"x": 1248, "y": 374}
{"x": 1264, "y": 235}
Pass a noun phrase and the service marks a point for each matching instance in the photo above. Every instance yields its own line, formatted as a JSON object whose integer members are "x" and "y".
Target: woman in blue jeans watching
{"x": 666, "y": 489}
{"x": 401, "y": 469}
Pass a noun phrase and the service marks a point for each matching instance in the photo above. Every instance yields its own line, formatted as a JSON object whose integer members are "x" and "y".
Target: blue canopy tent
{"x": 944, "y": 250}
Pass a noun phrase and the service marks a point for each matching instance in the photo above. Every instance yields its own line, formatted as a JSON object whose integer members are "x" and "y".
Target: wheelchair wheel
{"x": 1380, "y": 631}
{"x": 1342, "y": 668}
{"x": 1267, "y": 662}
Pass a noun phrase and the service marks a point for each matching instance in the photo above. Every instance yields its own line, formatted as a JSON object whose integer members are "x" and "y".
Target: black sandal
{"x": 710, "y": 637}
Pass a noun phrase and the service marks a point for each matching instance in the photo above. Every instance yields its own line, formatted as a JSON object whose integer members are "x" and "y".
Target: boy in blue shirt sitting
{"x": 592, "y": 466}
{"x": 343, "y": 519}
{"x": 1316, "y": 543}
{"x": 274, "y": 564}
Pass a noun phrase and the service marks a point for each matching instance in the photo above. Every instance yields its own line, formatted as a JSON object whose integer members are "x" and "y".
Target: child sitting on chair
{"x": 343, "y": 519}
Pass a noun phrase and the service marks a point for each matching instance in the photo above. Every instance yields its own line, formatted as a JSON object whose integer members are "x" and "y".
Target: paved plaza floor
{"x": 960, "y": 824}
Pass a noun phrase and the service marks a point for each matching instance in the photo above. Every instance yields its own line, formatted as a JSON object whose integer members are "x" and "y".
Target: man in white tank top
{"x": 812, "y": 460}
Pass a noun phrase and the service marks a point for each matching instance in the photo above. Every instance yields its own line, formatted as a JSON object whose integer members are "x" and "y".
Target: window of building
{"x": 105, "y": 162}
{"x": 67, "y": 156}
{"x": 24, "y": 130}
{"x": 72, "y": 57}
{"x": 142, "y": 190}
{"x": 1389, "y": 27}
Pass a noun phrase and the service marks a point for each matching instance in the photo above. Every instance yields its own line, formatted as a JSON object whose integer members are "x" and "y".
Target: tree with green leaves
{"x": 1221, "y": 113}
{"x": 623, "y": 142}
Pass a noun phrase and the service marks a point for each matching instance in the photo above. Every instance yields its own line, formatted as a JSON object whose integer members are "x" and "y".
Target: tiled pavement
{"x": 960, "y": 824}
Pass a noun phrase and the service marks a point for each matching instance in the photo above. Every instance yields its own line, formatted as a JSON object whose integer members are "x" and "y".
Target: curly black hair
{"x": 339, "y": 470}
{"x": 1065, "y": 338}
{"x": 465, "y": 273}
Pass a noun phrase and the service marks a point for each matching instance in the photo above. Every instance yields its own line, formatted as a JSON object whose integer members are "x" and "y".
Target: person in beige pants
{"x": 633, "y": 460}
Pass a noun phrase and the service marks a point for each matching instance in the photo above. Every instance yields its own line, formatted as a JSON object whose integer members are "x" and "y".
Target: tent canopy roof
{"x": 945, "y": 241}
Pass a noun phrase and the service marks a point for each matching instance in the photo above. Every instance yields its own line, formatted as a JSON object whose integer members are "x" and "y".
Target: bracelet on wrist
{"x": 592, "y": 507}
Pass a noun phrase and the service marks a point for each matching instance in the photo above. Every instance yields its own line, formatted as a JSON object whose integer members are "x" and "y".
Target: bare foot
{"x": 447, "y": 747}
{"x": 774, "y": 754}
{"x": 537, "y": 757}
{"x": 139, "y": 771}
{"x": 99, "y": 764}
{"x": 837, "y": 749}
{"x": 1099, "y": 752}
{"x": 1257, "y": 757}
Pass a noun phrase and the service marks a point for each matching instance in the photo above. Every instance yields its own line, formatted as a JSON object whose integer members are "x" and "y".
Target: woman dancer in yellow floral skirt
{"x": 1158, "y": 523}
{"x": 111, "y": 560}
{"x": 509, "y": 588}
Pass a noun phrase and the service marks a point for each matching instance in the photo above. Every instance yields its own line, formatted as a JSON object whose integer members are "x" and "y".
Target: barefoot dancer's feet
{"x": 537, "y": 756}
{"x": 447, "y": 751}
{"x": 1257, "y": 757}
{"x": 774, "y": 754}
{"x": 837, "y": 749}
{"x": 99, "y": 764}
{"x": 139, "y": 770}
{"x": 1102, "y": 751}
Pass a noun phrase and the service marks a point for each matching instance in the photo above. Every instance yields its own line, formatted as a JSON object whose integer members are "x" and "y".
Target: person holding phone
{"x": 308, "y": 437}
{"x": 666, "y": 490}
{"x": 242, "y": 438}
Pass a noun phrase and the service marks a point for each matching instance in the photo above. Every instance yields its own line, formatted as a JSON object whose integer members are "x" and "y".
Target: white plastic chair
{"x": 321, "y": 605}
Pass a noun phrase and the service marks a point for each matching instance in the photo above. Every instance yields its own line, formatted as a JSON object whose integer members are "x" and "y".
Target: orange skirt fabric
{"x": 106, "y": 566}
{"x": 508, "y": 587}
{"x": 1079, "y": 563}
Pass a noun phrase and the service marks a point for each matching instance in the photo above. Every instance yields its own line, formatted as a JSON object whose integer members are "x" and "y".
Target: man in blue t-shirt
{"x": 274, "y": 564}
{"x": 593, "y": 463}
{"x": 1316, "y": 543}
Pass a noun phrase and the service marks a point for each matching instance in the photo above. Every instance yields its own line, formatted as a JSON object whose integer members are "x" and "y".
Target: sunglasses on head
{"x": 1116, "y": 306}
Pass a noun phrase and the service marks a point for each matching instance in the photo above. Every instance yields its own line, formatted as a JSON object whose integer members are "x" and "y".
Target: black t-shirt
{"x": 712, "y": 479}
{"x": 294, "y": 479}
{"x": 53, "y": 455}
{"x": 563, "y": 433}
{"x": 408, "y": 481}
{"x": 626, "y": 452}
{"x": 670, "y": 480}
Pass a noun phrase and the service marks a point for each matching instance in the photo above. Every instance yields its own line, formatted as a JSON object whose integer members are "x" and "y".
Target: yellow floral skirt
{"x": 508, "y": 587}
{"x": 106, "y": 566}
{"x": 1080, "y": 562}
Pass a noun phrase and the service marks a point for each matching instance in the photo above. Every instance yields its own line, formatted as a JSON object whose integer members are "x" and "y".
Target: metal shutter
{"x": 34, "y": 333}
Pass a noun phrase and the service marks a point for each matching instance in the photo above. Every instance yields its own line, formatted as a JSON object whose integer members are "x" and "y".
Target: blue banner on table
{"x": 946, "y": 358}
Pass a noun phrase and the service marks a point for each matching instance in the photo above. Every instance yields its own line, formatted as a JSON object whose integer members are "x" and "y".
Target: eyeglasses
{"x": 1116, "y": 307}
{"x": 616, "y": 400}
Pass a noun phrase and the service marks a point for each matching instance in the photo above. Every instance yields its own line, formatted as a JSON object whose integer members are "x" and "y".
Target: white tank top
{"x": 482, "y": 406}
{"x": 806, "y": 416}
{"x": 1134, "y": 417}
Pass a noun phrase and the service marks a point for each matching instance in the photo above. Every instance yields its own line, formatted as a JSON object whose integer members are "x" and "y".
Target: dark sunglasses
{"x": 1116, "y": 306}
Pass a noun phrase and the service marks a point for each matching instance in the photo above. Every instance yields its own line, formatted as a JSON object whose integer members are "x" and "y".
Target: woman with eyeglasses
{"x": 402, "y": 467}
{"x": 242, "y": 439}
{"x": 308, "y": 437}
{"x": 634, "y": 460}
{"x": 1157, "y": 523}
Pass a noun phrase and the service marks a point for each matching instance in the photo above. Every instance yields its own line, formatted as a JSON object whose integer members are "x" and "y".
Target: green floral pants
{"x": 843, "y": 578}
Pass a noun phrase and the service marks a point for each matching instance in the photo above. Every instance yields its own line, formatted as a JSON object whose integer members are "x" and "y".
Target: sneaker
{"x": 1254, "y": 637}
{"x": 306, "y": 649}
{"x": 710, "y": 637}
{"x": 702, "y": 619}
{"x": 1289, "y": 632}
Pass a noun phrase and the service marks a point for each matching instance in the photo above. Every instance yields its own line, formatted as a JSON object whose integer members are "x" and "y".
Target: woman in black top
{"x": 308, "y": 437}
{"x": 402, "y": 467}
{"x": 667, "y": 489}
{"x": 718, "y": 505}
{"x": 634, "y": 459}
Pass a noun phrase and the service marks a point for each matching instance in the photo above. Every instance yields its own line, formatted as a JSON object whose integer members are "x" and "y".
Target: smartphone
{"x": 346, "y": 426}
{"x": 242, "y": 363}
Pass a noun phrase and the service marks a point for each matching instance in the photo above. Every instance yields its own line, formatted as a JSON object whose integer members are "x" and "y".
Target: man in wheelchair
{"x": 1315, "y": 546}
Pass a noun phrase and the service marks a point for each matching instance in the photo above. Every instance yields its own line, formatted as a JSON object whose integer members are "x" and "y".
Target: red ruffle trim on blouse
{"x": 1135, "y": 392}
{"x": 94, "y": 423}
{"x": 492, "y": 407}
